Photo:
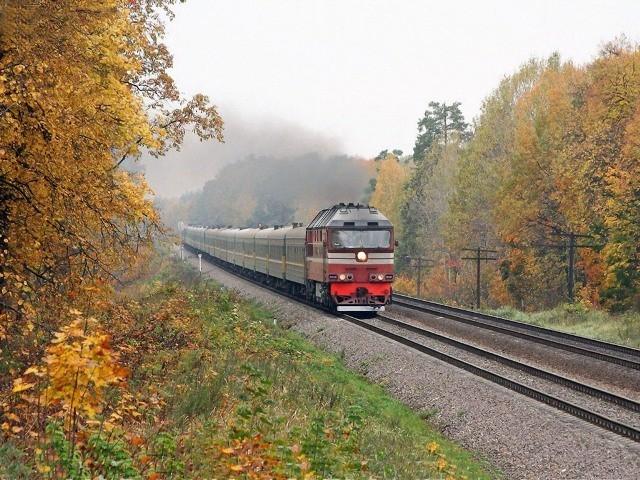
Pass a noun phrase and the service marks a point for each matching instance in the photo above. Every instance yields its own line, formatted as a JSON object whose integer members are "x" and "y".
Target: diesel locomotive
{"x": 342, "y": 260}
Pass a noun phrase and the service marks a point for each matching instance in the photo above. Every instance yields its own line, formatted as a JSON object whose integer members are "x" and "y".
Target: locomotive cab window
{"x": 361, "y": 238}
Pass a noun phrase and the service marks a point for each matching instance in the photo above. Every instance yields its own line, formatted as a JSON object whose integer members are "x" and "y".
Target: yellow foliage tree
{"x": 575, "y": 168}
{"x": 84, "y": 85}
{"x": 388, "y": 195}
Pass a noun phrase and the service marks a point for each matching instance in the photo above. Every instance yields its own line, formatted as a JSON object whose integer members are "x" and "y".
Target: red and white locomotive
{"x": 342, "y": 260}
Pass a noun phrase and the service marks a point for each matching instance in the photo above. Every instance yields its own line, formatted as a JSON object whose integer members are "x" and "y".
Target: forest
{"x": 552, "y": 160}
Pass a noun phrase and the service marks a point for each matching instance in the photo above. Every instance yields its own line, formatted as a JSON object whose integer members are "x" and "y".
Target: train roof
{"x": 349, "y": 215}
{"x": 278, "y": 231}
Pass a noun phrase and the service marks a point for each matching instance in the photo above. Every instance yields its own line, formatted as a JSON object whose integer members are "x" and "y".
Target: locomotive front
{"x": 350, "y": 258}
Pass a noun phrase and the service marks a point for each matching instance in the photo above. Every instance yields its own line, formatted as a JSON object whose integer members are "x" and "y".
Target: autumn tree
{"x": 388, "y": 195}
{"x": 471, "y": 218}
{"x": 554, "y": 152}
{"x": 84, "y": 85}
{"x": 575, "y": 170}
{"x": 610, "y": 171}
{"x": 442, "y": 134}
{"x": 486, "y": 159}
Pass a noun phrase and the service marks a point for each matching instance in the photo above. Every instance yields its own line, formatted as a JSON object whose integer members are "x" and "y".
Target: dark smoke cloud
{"x": 198, "y": 162}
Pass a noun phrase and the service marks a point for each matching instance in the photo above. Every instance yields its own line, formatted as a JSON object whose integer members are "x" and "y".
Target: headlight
{"x": 361, "y": 256}
{"x": 342, "y": 277}
{"x": 381, "y": 277}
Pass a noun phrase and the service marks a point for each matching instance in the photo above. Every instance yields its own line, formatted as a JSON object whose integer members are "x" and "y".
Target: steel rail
{"x": 567, "y": 407}
{"x": 537, "y": 372}
{"x": 473, "y": 318}
{"x": 579, "y": 412}
{"x": 635, "y": 352}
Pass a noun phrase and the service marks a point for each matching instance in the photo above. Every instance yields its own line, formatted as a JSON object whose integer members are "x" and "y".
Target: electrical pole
{"x": 478, "y": 258}
{"x": 419, "y": 262}
{"x": 571, "y": 277}
{"x": 419, "y": 282}
{"x": 572, "y": 247}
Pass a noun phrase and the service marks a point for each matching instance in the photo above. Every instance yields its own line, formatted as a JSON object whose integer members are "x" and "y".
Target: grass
{"x": 623, "y": 328}
{"x": 253, "y": 400}
{"x": 217, "y": 389}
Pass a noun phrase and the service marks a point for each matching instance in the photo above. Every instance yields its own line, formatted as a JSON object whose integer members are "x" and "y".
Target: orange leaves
{"x": 251, "y": 457}
{"x": 389, "y": 192}
{"x": 79, "y": 366}
{"x": 440, "y": 463}
{"x": 19, "y": 385}
{"x": 137, "y": 441}
{"x": 432, "y": 447}
{"x": 71, "y": 218}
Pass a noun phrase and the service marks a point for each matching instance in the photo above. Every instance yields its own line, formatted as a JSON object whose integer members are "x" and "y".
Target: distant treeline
{"x": 271, "y": 191}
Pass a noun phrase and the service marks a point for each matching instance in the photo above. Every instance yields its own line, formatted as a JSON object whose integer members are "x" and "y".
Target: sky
{"x": 360, "y": 73}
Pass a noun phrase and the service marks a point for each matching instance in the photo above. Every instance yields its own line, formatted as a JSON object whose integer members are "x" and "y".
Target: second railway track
{"x": 609, "y": 352}
{"x": 583, "y": 413}
{"x": 612, "y": 398}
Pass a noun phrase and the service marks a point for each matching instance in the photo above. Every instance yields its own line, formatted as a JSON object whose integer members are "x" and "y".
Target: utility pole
{"x": 478, "y": 258}
{"x": 419, "y": 262}
{"x": 572, "y": 247}
{"x": 419, "y": 281}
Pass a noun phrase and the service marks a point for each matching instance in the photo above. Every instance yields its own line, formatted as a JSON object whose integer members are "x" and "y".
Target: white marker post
{"x": 200, "y": 262}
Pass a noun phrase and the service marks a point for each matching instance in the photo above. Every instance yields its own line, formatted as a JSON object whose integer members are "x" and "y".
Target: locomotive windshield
{"x": 361, "y": 239}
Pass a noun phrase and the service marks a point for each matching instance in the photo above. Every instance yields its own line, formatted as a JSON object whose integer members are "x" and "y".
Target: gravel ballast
{"x": 607, "y": 376}
{"x": 584, "y": 400}
{"x": 519, "y": 436}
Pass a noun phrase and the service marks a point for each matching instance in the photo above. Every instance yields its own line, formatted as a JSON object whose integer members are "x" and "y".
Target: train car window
{"x": 360, "y": 238}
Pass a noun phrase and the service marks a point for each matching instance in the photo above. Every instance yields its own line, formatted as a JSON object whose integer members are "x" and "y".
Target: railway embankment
{"x": 242, "y": 396}
{"x": 519, "y": 436}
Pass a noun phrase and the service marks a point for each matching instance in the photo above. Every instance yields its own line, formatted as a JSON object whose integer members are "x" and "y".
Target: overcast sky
{"x": 362, "y": 72}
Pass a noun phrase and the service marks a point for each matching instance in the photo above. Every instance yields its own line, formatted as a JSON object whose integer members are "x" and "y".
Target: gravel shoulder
{"x": 520, "y": 437}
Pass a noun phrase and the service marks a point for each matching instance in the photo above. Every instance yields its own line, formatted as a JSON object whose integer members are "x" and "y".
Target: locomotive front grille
{"x": 364, "y": 300}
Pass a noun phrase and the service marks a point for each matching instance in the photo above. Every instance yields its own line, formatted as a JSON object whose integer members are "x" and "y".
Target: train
{"x": 342, "y": 260}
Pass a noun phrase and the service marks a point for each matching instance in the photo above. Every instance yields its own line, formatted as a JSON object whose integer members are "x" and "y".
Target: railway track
{"x": 612, "y": 398}
{"x": 609, "y": 352}
{"x": 602, "y": 421}
{"x": 575, "y": 410}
